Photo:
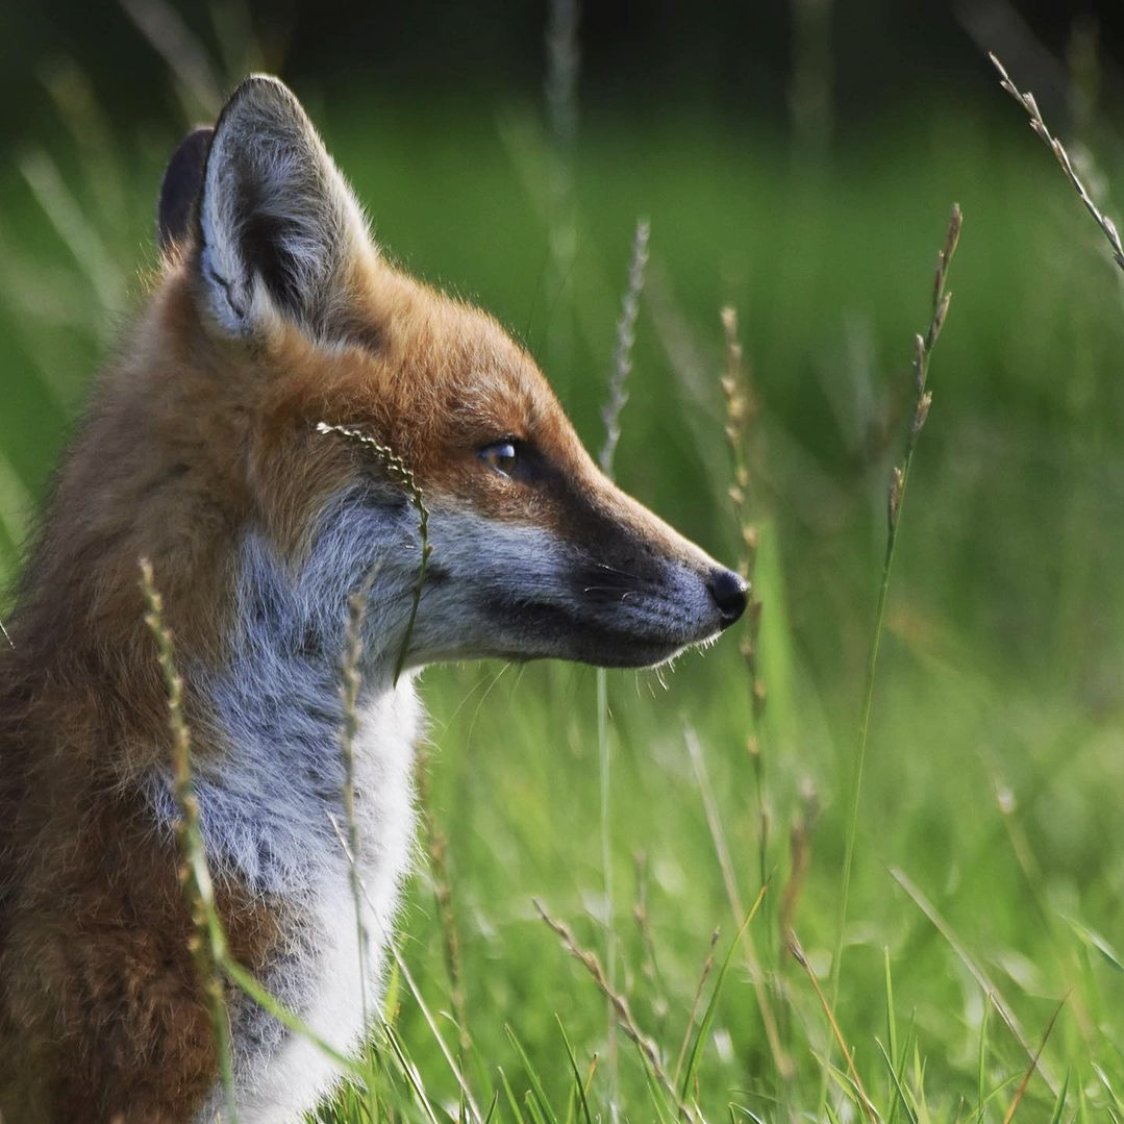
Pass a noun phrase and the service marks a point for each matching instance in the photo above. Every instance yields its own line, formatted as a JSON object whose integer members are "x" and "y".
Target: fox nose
{"x": 730, "y": 592}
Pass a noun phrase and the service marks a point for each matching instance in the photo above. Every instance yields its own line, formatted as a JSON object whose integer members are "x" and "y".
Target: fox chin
{"x": 245, "y": 441}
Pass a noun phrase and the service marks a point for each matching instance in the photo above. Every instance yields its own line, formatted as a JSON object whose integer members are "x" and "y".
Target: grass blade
{"x": 1021, "y": 1091}
{"x": 533, "y": 1077}
{"x": 579, "y": 1085}
{"x": 712, "y": 1004}
{"x": 901, "y": 1097}
{"x": 978, "y": 974}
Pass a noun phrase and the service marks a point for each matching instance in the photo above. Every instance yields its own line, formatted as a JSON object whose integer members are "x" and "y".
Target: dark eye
{"x": 502, "y": 456}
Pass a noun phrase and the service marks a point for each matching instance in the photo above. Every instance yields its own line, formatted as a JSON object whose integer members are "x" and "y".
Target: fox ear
{"x": 278, "y": 227}
{"x": 179, "y": 190}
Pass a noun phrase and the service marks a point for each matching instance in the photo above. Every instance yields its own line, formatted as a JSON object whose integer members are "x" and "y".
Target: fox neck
{"x": 271, "y": 792}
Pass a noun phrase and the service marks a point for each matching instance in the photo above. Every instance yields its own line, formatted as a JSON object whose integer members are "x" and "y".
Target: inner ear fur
{"x": 278, "y": 228}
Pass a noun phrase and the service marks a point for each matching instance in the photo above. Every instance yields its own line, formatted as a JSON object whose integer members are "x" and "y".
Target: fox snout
{"x": 677, "y": 593}
{"x": 579, "y": 571}
{"x": 653, "y": 586}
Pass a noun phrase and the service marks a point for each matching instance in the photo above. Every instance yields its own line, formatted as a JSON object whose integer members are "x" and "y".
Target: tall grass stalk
{"x": 1012, "y": 1108}
{"x": 865, "y": 1102}
{"x": 398, "y": 471}
{"x": 188, "y": 60}
{"x": 649, "y": 1050}
{"x": 611, "y": 414}
{"x": 604, "y": 796}
{"x": 78, "y": 232}
{"x": 622, "y": 353}
{"x": 1038, "y": 124}
{"x": 781, "y": 1059}
{"x": 207, "y": 941}
{"x": 437, "y": 849}
{"x": 741, "y": 411}
{"x": 922, "y": 352}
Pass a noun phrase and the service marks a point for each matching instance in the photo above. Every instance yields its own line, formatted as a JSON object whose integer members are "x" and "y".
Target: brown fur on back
{"x": 93, "y": 927}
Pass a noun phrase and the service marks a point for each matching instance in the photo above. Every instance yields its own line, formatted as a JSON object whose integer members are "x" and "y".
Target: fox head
{"x": 293, "y": 328}
{"x": 533, "y": 551}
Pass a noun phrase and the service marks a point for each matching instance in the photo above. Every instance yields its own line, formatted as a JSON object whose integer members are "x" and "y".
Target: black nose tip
{"x": 731, "y": 594}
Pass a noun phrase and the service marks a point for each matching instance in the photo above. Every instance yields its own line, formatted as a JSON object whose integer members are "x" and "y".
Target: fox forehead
{"x": 432, "y": 377}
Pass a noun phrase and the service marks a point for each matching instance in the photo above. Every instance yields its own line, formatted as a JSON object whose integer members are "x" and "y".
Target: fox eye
{"x": 501, "y": 455}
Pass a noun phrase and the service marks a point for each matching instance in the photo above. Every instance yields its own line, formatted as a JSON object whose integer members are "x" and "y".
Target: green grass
{"x": 989, "y": 854}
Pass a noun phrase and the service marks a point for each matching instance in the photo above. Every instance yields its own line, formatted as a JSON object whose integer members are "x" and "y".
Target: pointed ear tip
{"x": 260, "y": 81}
{"x": 258, "y": 89}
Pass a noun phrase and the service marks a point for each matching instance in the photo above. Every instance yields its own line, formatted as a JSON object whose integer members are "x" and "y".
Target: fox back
{"x": 279, "y": 420}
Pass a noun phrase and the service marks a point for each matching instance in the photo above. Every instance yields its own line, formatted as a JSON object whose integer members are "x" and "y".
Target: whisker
{"x": 615, "y": 572}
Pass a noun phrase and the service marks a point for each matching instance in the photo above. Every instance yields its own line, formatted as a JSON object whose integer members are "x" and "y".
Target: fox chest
{"x": 334, "y": 939}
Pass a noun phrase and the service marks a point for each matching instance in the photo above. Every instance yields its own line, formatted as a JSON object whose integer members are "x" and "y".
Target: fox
{"x": 216, "y": 445}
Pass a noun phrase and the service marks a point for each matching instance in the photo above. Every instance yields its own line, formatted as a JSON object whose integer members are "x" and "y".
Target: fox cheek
{"x": 475, "y": 564}
{"x": 516, "y": 591}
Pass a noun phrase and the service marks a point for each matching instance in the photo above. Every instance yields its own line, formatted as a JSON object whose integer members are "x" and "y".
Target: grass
{"x": 988, "y": 850}
{"x": 899, "y": 478}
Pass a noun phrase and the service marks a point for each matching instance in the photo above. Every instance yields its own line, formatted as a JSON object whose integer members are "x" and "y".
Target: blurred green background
{"x": 797, "y": 162}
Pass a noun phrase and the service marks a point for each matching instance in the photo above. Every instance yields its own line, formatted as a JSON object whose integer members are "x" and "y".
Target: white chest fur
{"x": 278, "y": 1075}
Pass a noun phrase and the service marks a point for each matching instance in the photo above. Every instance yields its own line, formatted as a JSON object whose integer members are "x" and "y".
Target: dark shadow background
{"x": 761, "y": 60}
